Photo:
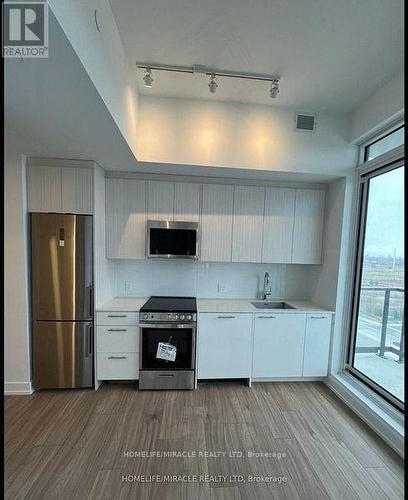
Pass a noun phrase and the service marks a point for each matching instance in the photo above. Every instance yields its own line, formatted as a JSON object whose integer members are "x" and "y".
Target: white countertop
{"x": 134, "y": 304}
{"x": 127, "y": 304}
{"x": 245, "y": 306}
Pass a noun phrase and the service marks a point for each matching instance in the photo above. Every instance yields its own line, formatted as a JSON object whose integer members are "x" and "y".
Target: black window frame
{"x": 356, "y": 282}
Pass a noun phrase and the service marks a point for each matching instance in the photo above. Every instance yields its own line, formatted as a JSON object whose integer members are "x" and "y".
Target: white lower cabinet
{"x": 117, "y": 346}
{"x": 317, "y": 345}
{"x": 278, "y": 345}
{"x": 224, "y": 345}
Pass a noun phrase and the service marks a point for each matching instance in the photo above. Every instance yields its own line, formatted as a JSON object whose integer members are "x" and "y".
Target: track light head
{"x": 147, "y": 78}
{"x": 274, "y": 90}
{"x": 213, "y": 84}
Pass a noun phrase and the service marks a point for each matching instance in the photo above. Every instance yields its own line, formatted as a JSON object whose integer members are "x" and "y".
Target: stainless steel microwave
{"x": 172, "y": 239}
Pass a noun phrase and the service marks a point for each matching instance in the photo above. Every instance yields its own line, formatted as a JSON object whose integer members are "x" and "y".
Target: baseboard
{"x": 18, "y": 388}
{"x": 388, "y": 428}
{"x": 287, "y": 379}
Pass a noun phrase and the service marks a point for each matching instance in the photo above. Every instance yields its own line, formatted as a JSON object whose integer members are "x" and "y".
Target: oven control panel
{"x": 168, "y": 317}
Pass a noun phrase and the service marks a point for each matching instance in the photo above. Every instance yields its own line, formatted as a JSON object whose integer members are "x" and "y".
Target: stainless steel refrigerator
{"x": 62, "y": 300}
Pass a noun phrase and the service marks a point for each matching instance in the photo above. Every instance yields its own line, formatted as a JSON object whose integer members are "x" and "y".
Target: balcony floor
{"x": 384, "y": 371}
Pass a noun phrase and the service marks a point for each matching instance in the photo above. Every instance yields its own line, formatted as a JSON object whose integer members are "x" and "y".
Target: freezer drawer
{"x": 62, "y": 354}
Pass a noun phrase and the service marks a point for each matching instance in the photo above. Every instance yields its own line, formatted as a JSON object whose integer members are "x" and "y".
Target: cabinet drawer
{"x": 117, "y": 318}
{"x": 117, "y": 366}
{"x": 116, "y": 338}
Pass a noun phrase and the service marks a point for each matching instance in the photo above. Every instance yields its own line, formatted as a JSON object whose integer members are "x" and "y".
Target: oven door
{"x": 181, "y": 336}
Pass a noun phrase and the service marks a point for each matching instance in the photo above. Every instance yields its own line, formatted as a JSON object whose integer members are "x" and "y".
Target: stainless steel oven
{"x": 171, "y": 330}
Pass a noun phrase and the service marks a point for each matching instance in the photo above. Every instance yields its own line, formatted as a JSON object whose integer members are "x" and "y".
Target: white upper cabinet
{"x": 60, "y": 189}
{"x": 77, "y": 190}
{"x": 248, "y": 223}
{"x": 278, "y": 225}
{"x": 44, "y": 189}
{"x": 125, "y": 218}
{"x": 308, "y": 226}
{"x": 160, "y": 200}
{"x": 216, "y": 222}
{"x": 187, "y": 198}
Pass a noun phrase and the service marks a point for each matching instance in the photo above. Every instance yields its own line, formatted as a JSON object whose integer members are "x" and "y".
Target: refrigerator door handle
{"x": 89, "y": 341}
{"x": 90, "y": 298}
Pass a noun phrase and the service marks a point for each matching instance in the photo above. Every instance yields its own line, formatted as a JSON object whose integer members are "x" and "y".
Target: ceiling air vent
{"x": 305, "y": 123}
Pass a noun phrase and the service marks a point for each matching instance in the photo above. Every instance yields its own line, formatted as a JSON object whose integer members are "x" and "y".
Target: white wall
{"x": 323, "y": 279}
{"x": 197, "y": 132}
{"x": 201, "y": 279}
{"x": 17, "y": 373}
{"x": 103, "y": 57}
{"x": 345, "y": 254}
{"x": 378, "y": 111}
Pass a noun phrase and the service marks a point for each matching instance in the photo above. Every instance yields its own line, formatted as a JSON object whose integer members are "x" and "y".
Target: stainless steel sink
{"x": 272, "y": 305}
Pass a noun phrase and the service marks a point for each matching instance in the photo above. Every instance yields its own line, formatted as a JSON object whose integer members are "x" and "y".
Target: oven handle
{"x": 167, "y": 325}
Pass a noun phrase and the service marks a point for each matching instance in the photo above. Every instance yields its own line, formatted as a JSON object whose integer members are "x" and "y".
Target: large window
{"x": 376, "y": 353}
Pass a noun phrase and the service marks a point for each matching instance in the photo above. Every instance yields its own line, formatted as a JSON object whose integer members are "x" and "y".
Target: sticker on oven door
{"x": 166, "y": 351}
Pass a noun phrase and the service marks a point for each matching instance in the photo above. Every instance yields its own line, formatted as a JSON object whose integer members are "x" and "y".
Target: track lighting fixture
{"x": 274, "y": 90}
{"x": 213, "y": 84}
{"x": 147, "y": 78}
{"x": 211, "y": 72}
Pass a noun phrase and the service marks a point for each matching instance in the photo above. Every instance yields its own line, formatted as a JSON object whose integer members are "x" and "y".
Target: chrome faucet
{"x": 266, "y": 287}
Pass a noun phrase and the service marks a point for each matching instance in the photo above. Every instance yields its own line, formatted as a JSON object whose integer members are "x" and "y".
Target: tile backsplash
{"x": 210, "y": 279}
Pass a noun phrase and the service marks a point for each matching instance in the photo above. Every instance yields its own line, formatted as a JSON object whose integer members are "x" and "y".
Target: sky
{"x": 385, "y": 215}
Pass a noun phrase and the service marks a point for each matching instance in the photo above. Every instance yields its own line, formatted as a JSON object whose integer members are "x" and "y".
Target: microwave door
{"x": 173, "y": 240}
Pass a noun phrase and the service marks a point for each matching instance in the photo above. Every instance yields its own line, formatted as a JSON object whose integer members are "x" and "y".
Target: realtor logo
{"x": 25, "y": 29}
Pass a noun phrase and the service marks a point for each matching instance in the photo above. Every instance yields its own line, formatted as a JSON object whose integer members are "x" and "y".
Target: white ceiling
{"x": 331, "y": 54}
{"x": 55, "y": 111}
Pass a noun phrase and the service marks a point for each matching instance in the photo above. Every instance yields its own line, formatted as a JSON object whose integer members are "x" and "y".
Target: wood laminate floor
{"x": 72, "y": 445}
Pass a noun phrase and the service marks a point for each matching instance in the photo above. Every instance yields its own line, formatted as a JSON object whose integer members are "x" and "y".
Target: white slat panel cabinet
{"x": 308, "y": 226}
{"x": 317, "y": 345}
{"x": 187, "y": 199}
{"x": 278, "y": 345}
{"x": 125, "y": 219}
{"x": 44, "y": 189}
{"x": 224, "y": 345}
{"x": 248, "y": 223}
{"x": 278, "y": 225}
{"x": 216, "y": 222}
{"x": 160, "y": 200}
{"x": 77, "y": 190}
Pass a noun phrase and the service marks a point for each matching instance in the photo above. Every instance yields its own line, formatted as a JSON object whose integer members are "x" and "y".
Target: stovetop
{"x": 170, "y": 304}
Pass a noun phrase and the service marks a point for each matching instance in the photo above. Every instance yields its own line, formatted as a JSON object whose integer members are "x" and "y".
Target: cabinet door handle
{"x": 318, "y": 317}
{"x": 117, "y": 357}
{"x": 266, "y": 317}
{"x": 117, "y": 316}
{"x": 225, "y": 317}
{"x": 117, "y": 330}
